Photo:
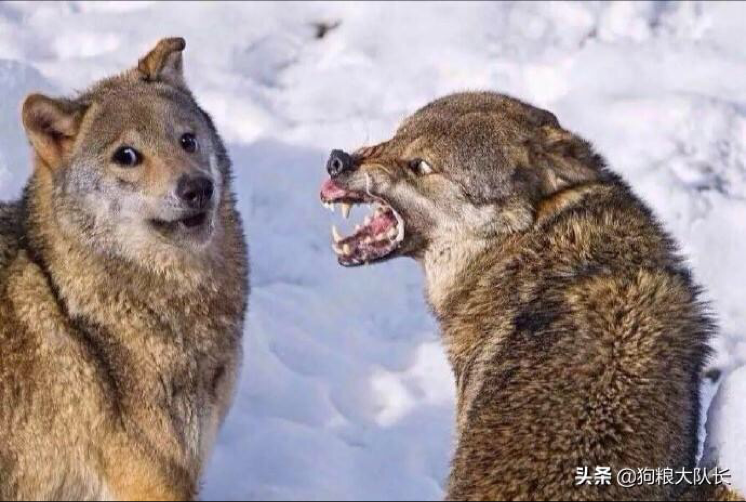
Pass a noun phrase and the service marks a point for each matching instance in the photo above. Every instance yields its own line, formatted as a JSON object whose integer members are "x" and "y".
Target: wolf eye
{"x": 126, "y": 156}
{"x": 420, "y": 166}
{"x": 189, "y": 143}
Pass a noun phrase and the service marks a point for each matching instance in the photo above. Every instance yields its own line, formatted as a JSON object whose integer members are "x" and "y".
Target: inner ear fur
{"x": 164, "y": 63}
{"x": 51, "y": 126}
{"x": 566, "y": 160}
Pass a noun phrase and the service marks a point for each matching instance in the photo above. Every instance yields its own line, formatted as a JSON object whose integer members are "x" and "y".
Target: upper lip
{"x": 332, "y": 192}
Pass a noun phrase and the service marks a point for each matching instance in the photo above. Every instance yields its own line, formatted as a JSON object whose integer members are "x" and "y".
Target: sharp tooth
{"x": 346, "y": 209}
{"x": 393, "y": 232}
{"x": 335, "y": 234}
{"x": 330, "y": 206}
{"x": 346, "y": 249}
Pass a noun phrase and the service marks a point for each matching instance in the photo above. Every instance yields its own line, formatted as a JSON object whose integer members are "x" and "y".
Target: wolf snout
{"x": 195, "y": 192}
{"x": 339, "y": 162}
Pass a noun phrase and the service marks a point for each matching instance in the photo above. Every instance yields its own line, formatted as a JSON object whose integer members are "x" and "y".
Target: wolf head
{"x": 133, "y": 167}
{"x": 467, "y": 166}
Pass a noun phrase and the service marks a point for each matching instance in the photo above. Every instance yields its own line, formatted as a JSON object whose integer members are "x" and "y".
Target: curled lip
{"x": 379, "y": 236}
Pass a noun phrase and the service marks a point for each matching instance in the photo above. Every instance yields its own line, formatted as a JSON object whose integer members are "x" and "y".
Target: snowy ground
{"x": 346, "y": 392}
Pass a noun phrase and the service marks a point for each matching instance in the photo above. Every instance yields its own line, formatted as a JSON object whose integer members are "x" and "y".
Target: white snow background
{"x": 346, "y": 393}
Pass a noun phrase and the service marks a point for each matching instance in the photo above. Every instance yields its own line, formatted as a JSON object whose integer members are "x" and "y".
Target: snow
{"x": 728, "y": 414}
{"x": 346, "y": 393}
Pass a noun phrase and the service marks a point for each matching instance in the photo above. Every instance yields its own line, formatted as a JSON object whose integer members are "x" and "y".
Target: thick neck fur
{"x": 453, "y": 267}
{"x": 445, "y": 263}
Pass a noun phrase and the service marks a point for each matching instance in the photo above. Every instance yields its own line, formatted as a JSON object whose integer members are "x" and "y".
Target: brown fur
{"x": 573, "y": 327}
{"x": 119, "y": 345}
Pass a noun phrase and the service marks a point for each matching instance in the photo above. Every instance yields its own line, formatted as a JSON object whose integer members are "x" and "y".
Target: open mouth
{"x": 377, "y": 237}
{"x": 191, "y": 223}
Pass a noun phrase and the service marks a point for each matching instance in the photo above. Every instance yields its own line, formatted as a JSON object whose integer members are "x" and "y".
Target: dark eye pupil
{"x": 189, "y": 143}
{"x": 127, "y": 156}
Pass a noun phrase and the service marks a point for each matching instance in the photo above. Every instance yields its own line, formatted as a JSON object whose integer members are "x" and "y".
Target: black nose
{"x": 338, "y": 163}
{"x": 195, "y": 192}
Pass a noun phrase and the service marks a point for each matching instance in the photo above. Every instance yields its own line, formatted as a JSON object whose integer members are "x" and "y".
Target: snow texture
{"x": 346, "y": 392}
{"x": 726, "y": 441}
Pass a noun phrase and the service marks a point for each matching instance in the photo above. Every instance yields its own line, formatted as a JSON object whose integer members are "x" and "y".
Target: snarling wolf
{"x": 123, "y": 289}
{"x": 573, "y": 328}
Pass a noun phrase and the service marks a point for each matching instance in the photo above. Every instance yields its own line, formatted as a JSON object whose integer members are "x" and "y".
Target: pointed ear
{"x": 51, "y": 126}
{"x": 568, "y": 160}
{"x": 164, "y": 63}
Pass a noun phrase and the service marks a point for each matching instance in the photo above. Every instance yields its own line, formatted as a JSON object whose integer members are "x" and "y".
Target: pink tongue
{"x": 330, "y": 191}
{"x": 382, "y": 223}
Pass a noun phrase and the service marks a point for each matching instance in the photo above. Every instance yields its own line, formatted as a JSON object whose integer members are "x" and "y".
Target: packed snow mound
{"x": 346, "y": 392}
{"x": 726, "y": 427}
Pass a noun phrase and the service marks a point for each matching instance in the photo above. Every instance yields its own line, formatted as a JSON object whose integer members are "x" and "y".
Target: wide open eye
{"x": 126, "y": 156}
{"x": 420, "y": 167}
{"x": 189, "y": 143}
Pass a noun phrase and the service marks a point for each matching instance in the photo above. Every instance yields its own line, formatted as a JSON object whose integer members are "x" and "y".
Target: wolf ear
{"x": 164, "y": 63}
{"x": 569, "y": 160}
{"x": 51, "y": 126}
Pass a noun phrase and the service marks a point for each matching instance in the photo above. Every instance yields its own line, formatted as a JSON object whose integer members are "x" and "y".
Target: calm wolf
{"x": 123, "y": 291}
{"x": 573, "y": 327}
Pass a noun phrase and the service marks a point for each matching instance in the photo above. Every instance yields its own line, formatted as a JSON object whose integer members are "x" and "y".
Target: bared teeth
{"x": 346, "y": 209}
{"x": 335, "y": 234}
{"x": 344, "y": 250}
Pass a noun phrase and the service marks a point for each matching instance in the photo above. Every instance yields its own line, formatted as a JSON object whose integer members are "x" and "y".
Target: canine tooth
{"x": 346, "y": 209}
{"x": 346, "y": 249}
{"x": 392, "y": 233}
{"x": 330, "y": 206}
{"x": 335, "y": 234}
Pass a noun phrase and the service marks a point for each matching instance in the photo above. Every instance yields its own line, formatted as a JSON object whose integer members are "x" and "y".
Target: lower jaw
{"x": 179, "y": 232}
{"x": 366, "y": 253}
{"x": 357, "y": 262}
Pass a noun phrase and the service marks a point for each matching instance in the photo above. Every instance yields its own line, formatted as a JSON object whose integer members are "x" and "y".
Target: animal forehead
{"x": 148, "y": 111}
{"x": 458, "y": 109}
{"x": 474, "y": 130}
